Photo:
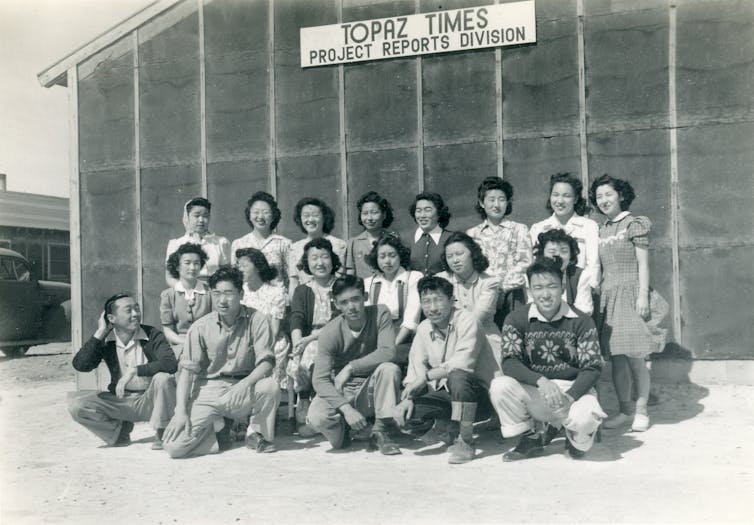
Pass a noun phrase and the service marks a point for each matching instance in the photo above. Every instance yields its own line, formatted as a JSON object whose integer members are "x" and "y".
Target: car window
{"x": 7, "y": 272}
{"x": 23, "y": 273}
{"x": 12, "y": 269}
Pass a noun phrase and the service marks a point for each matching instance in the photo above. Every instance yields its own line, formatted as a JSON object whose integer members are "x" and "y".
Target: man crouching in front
{"x": 224, "y": 373}
{"x": 354, "y": 375}
{"x": 141, "y": 365}
{"x": 551, "y": 362}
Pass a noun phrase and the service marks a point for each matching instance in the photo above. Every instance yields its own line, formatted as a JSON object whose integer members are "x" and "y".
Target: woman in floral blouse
{"x": 505, "y": 243}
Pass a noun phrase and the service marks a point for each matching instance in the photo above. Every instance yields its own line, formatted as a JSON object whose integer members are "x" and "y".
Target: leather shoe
{"x": 549, "y": 434}
{"x": 573, "y": 451}
{"x": 157, "y": 443}
{"x": 530, "y": 446}
{"x": 124, "y": 436}
{"x": 460, "y": 452}
{"x": 380, "y": 440}
{"x": 256, "y": 441}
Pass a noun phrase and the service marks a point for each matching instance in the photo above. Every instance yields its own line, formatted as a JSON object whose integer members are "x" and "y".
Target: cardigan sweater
{"x": 160, "y": 357}
{"x": 302, "y": 309}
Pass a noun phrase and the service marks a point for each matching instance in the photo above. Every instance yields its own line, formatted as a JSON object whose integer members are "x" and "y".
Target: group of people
{"x": 379, "y": 334}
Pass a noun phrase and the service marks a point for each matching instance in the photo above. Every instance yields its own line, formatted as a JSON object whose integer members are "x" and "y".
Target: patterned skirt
{"x": 622, "y": 331}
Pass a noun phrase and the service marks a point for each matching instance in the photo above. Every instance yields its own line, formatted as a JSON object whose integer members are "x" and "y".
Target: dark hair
{"x": 110, "y": 303}
{"x": 624, "y": 189}
{"x": 321, "y": 244}
{"x": 494, "y": 183}
{"x": 379, "y": 200}
{"x": 227, "y": 273}
{"x": 328, "y": 215}
{"x": 174, "y": 261}
{"x": 478, "y": 259}
{"x": 433, "y": 283}
{"x": 389, "y": 239}
{"x": 269, "y": 199}
{"x": 545, "y": 265}
{"x": 558, "y": 236}
{"x": 198, "y": 201}
{"x": 580, "y": 205}
{"x": 443, "y": 213}
{"x": 257, "y": 258}
{"x": 347, "y": 282}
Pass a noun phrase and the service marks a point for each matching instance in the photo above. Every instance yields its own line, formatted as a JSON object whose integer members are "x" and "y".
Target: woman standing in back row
{"x": 629, "y": 309}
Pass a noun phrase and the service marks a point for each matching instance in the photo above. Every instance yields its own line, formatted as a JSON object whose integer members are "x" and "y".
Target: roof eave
{"x": 56, "y": 74}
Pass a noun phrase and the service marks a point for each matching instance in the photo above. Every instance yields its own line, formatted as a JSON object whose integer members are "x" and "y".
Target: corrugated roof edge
{"x": 56, "y": 74}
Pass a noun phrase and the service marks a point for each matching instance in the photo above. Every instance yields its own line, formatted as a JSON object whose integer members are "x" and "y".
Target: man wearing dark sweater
{"x": 354, "y": 373}
{"x": 141, "y": 365}
{"x": 551, "y": 362}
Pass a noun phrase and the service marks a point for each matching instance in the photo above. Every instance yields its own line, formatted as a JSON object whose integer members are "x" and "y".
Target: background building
{"x": 36, "y": 226}
{"x": 208, "y": 97}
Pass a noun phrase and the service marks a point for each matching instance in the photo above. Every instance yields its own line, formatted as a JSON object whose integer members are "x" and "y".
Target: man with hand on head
{"x": 224, "y": 374}
{"x": 141, "y": 364}
{"x": 354, "y": 373}
{"x": 450, "y": 367}
{"x": 552, "y": 362}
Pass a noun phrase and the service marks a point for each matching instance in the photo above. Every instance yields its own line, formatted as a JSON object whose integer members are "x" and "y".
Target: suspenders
{"x": 374, "y": 295}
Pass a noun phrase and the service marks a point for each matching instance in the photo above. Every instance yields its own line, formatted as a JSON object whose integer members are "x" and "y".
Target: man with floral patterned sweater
{"x": 551, "y": 362}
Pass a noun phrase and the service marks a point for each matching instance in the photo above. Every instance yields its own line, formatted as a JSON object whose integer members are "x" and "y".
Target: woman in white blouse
{"x": 395, "y": 287}
{"x": 568, "y": 207}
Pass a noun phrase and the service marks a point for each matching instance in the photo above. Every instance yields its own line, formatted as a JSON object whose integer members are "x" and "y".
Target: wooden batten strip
{"x": 202, "y": 101}
{"x": 342, "y": 133}
{"x": 674, "y": 183}
{"x": 582, "y": 95}
{"x": 137, "y": 170}
{"x": 272, "y": 174}
{"x": 419, "y": 115}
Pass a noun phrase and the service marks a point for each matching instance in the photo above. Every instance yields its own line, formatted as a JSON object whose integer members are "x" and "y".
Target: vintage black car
{"x": 32, "y": 312}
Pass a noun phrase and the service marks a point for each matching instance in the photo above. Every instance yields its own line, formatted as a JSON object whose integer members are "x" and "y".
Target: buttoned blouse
{"x": 586, "y": 233}
{"x": 478, "y": 296}
{"x": 179, "y": 311}
{"x": 276, "y": 250}
{"x": 269, "y": 299}
{"x": 508, "y": 249}
{"x": 216, "y": 247}
{"x": 389, "y": 296}
{"x": 356, "y": 252}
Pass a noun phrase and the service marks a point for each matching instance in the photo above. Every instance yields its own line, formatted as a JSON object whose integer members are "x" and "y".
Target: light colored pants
{"x": 212, "y": 403}
{"x": 519, "y": 406}
{"x": 103, "y": 413}
{"x": 375, "y": 396}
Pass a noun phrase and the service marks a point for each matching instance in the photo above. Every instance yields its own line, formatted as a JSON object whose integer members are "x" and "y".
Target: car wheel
{"x": 15, "y": 351}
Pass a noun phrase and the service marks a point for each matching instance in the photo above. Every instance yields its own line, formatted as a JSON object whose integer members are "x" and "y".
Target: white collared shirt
{"x": 435, "y": 234}
{"x": 565, "y": 311}
{"x": 389, "y": 295}
{"x": 200, "y": 289}
{"x": 619, "y": 217}
{"x": 587, "y": 234}
{"x": 216, "y": 247}
{"x": 132, "y": 355}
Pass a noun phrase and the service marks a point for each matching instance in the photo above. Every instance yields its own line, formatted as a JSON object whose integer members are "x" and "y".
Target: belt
{"x": 231, "y": 376}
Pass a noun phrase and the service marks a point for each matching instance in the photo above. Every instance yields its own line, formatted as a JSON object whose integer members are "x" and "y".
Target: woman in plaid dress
{"x": 629, "y": 309}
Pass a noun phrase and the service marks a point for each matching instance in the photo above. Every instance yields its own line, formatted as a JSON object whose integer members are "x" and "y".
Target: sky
{"x": 35, "y": 34}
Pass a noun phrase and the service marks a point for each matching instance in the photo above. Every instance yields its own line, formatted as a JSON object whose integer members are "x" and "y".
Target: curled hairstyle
{"x": 321, "y": 244}
{"x": 270, "y": 200}
{"x": 623, "y": 187}
{"x": 432, "y": 283}
{"x": 557, "y": 236}
{"x": 544, "y": 265}
{"x": 266, "y": 272}
{"x": 389, "y": 239}
{"x": 328, "y": 215}
{"x": 110, "y": 303}
{"x": 174, "y": 261}
{"x": 494, "y": 183}
{"x": 229, "y": 274}
{"x": 579, "y": 206}
{"x": 347, "y": 282}
{"x": 198, "y": 201}
{"x": 478, "y": 259}
{"x": 443, "y": 213}
{"x": 379, "y": 200}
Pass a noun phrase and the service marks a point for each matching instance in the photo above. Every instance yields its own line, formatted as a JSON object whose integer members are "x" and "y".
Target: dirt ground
{"x": 696, "y": 464}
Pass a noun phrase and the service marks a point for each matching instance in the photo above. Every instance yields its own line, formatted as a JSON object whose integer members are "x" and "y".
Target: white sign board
{"x": 422, "y": 34}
